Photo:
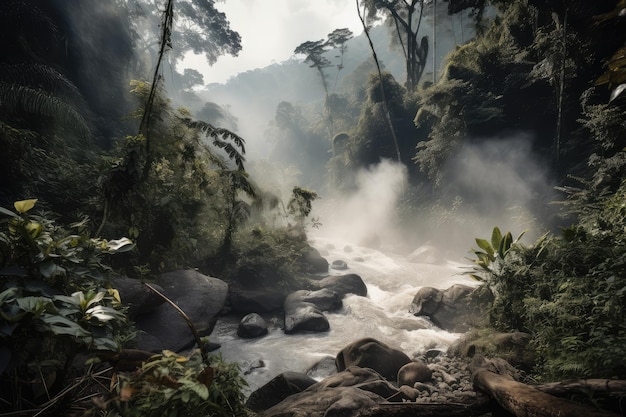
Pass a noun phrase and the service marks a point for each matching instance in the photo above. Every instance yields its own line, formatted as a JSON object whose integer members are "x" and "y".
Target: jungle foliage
{"x": 106, "y": 157}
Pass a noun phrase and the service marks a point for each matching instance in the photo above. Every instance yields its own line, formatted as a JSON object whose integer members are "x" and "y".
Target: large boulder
{"x": 363, "y": 378}
{"x": 137, "y": 297}
{"x": 277, "y": 389}
{"x": 453, "y": 309}
{"x": 343, "y": 284}
{"x": 255, "y": 290}
{"x": 371, "y": 353}
{"x": 324, "y": 299}
{"x": 262, "y": 300}
{"x": 251, "y": 326}
{"x": 301, "y": 316}
{"x": 199, "y": 296}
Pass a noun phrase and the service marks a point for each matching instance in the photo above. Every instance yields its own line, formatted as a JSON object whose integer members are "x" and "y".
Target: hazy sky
{"x": 271, "y": 29}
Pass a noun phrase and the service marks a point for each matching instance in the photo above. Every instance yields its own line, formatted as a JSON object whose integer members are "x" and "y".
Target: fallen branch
{"x": 523, "y": 400}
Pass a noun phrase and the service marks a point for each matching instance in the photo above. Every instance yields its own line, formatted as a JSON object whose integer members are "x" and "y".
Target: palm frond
{"x": 240, "y": 181}
{"x": 231, "y": 143}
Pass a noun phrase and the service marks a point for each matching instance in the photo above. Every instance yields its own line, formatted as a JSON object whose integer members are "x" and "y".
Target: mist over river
{"x": 392, "y": 282}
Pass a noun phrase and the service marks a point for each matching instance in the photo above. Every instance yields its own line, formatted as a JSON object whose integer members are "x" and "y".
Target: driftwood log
{"x": 606, "y": 387}
{"x": 491, "y": 377}
{"x": 469, "y": 408}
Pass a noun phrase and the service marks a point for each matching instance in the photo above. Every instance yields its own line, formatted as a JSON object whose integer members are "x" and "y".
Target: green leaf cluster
{"x": 55, "y": 302}
{"x": 172, "y": 385}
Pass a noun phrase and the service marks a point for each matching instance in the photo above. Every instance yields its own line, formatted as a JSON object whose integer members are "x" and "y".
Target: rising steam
{"x": 366, "y": 216}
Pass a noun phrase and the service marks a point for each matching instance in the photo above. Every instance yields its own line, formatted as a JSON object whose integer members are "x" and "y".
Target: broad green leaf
{"x": 23, "y": 206}
{"x": 95, "y": 298}
{"x": 505, "y": 244}
{"x": 7, "y": 212}
{"x": 489, "y": 250}
{"x": 8, "y": 295}
{"x": 483, "y": 258}
{"x": 484, "y": 245}
{"x": 120, "y": 245}
{"x": 49, "y": 269}
{"x": 104, "y": 314}
{"x": 115, "y": 294}
{"x": 35, "y": 305}
{"x": 76, "y": 299}
{"x": 496, "y": 237}
{"x": 60, "y": 325}
{"x": 199, "y": 389}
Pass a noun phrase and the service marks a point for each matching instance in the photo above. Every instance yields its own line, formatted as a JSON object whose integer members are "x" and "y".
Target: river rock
{"x": 201, "y": 297}
{"x": 332, "y": 402}
{"x": 324, "y": 368}
{"x": 324, "y": 299}
{"x": 314, "y": 262}
{"x": 414, "y": 372}
{"x": 251, "y": 326}
{"x": 304, "y": 316}
{"x": 339, "y": 265}
{"x": 371, "y": 353}
{"x": 277, "y": 389}
{"x": 452, "y": 309}
{"x": 343, "y": 284}
{"x": 136, "y": 296}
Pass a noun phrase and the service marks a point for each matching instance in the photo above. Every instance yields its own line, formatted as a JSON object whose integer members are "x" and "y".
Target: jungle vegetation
{"x": 97, "y": 161}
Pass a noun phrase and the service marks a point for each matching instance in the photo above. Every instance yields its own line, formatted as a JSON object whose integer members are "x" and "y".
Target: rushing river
{"x": 392, "y": 282}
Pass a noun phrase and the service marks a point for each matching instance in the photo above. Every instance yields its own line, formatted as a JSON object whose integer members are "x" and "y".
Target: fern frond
{"x": 15, "y": 98}
{"x": 40, "y": 77}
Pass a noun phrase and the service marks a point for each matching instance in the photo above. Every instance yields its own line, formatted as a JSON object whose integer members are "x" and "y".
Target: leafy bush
{"x": 54, "y": 303}
{"x": 569, "y": 291}
{"x": 173, "y": 385}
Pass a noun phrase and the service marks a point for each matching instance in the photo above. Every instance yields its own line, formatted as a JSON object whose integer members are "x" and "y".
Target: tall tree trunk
{"x": 327, "y": 110}
{"x": 559, "y": 120}
{"x": 382, "y": 86}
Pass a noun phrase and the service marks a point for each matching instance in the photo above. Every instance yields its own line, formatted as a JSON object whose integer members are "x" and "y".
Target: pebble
{"x": 451, "y": 380}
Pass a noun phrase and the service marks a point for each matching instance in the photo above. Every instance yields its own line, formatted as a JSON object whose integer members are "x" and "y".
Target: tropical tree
{"x": 338, "y": 39}
{"x": 404, "y": 18}
{"x": 314, "y": 52}
{"x": 198, "y": 27}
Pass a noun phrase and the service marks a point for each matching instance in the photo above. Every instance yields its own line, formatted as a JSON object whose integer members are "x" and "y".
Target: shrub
{"x": 54, "y": 303}
{"x": 569, "y": 291}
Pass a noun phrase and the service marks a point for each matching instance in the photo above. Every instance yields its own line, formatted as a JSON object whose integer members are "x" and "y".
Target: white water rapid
{"x": 392, "y": 282}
